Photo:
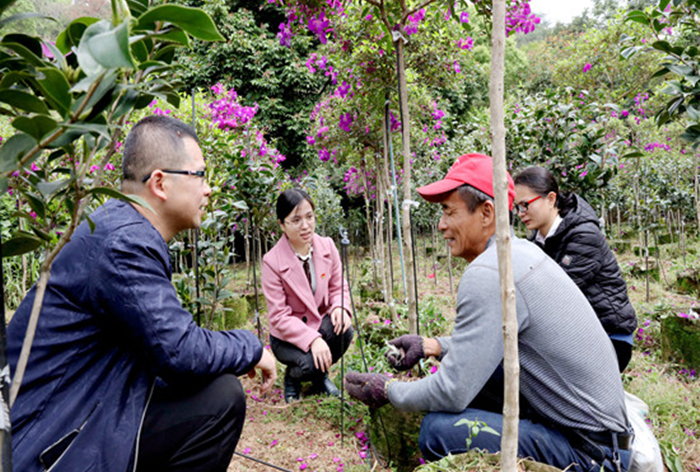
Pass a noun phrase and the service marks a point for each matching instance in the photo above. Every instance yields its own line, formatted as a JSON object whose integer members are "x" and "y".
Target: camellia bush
{"x": 68, "y": 103}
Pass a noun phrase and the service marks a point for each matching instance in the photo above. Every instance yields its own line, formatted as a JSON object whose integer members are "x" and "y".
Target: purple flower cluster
{"x": 354, "y": 184}
{"x": 519, "y": 18}
{"x": 467, "y": 44}
{"x": 413, "y": 21}
{"x": 653, "y": 146}
{"x": 316, "y": 19}
{"x": 322, "y": 63}
{"x": 227, "y": 112}
{"x": 346, "y": 121}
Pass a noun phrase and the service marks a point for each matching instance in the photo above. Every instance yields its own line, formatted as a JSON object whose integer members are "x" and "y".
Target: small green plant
{"x": 475, "y": 427}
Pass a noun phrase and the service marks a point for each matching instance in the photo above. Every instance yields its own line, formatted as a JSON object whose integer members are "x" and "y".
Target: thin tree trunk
{"x": 406, "y": 208}
{"x": 511, "y": 365}
{"x": 247, "y": 251}
{"x": 368, "y": 217}
{"x": 697, "y": 188}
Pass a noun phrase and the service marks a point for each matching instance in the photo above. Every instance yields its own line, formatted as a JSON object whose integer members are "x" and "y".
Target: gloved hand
{"x": 370, "y": 389}
{"x": 409, "y": 350}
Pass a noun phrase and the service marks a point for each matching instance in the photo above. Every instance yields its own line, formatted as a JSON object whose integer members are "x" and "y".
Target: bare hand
{"x": 341, "y": 321}
{"x": 268, "y": 368}
{"x": 322, "y": 355}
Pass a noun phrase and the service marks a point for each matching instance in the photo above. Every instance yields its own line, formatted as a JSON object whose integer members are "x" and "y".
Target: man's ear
{"x": 487, "y": 210}
{"x": 158, "y": 185}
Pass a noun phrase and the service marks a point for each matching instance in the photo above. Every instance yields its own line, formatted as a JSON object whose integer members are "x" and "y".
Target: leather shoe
{"x": 325, "y": 386}
{"x": 292, "y": 389}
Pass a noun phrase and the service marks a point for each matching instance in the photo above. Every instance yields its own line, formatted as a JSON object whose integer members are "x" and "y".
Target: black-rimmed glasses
{"x": 196, "y": 173}
{"x": 523, "y": 207}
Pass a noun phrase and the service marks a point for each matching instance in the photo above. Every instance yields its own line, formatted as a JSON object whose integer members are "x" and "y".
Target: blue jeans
{"x": 439, "y": 437}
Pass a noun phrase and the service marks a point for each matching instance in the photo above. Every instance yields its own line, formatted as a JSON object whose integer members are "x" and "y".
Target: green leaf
{"x": 83, "y": 128}
{"x": 113, "y": 193}
{"x": 24, "y": 16}
{"x": 25, "y": 53}
{"x": 638, "y": 16}
{"x": 663, "y": 4}
{"x": 71, "y": 35}
{"x": 12, "y": 77}
{"x": 680, "y": 70}
{"x": 20, "y": 245}
{"x": 47, "y": 189}
{"x": 103, "y": 46}
{"x": 193, "y": 20}
{"x": 632, "y": 154}
{"x": 5, "y": 4}
{"x": 36, "y": 203}
{"x": 37, "y": 127}
{"x": 55, "y": 86}
{"x": 662, "y": 46}
{"x": 32, "y": 44}
{"x": 23, "y": 100}
{"x": 15, "y": 147}
{"x": 630, "y": 51}
{"x": 137, "y": 7}
{"x": 175, "y": 35}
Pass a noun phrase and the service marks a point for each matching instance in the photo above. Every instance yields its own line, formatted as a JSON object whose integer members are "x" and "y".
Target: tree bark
{"x": 406, "y": 209}
{"x": 509, "y": 440}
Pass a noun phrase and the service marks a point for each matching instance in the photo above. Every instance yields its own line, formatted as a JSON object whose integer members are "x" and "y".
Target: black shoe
{"x": 324, "y": 386}
{"x": 292, "y": 389}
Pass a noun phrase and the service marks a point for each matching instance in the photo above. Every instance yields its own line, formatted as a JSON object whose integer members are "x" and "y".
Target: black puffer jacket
{"x": 581, "y": 250}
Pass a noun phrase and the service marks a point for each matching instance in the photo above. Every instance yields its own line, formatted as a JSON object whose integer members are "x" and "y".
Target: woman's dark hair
{"x": 288, "y": 201}
{"x": 541, "y": 181}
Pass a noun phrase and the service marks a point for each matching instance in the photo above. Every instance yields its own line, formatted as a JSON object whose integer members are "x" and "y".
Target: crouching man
{"x": 120, "y": 378}
{"x": 573, "y": 413}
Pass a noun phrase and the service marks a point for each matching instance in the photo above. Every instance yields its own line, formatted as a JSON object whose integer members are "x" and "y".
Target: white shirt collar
{"x": 553, "y": 229}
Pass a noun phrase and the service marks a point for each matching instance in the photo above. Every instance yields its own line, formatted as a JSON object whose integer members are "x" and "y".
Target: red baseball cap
{"x": 472, "y": 169}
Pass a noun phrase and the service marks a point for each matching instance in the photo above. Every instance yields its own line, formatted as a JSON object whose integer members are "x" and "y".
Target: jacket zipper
{"x": 143, "y": 417}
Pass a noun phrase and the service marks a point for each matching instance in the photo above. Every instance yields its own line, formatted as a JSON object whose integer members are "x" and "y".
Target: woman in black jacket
{"x": 566, "y": 227}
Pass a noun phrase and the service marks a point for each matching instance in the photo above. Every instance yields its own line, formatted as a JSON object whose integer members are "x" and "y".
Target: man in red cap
{"x": 572, "y": 408}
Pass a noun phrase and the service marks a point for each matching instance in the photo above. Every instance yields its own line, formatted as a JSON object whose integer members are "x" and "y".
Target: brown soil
{"x": 296, "y": 437}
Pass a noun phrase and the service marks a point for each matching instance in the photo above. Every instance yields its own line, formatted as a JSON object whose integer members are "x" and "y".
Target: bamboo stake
{"x": 511, "y": 366}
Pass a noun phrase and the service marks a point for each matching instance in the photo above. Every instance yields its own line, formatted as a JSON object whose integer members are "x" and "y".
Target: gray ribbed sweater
{"x": 569, "y": 370}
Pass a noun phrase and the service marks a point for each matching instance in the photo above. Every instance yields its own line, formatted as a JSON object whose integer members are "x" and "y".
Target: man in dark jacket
{"x": 119, "y": 376}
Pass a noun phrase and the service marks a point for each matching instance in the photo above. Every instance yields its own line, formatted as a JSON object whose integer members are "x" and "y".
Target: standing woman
{"x": 567, "y": 228}
{"x": 302, "y": 282}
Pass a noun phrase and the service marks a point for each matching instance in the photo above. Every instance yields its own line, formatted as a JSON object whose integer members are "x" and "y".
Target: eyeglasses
{"x": 523, "y": 207}
{"x": 196, "y": 173}
{"x": 298, "y": 220}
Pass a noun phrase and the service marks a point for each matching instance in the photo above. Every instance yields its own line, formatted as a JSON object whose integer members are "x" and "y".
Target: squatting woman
{"x": 307, "y": 301}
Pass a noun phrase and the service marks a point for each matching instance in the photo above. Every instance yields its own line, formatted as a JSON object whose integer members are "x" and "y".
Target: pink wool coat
{"x": 294, "y": 311}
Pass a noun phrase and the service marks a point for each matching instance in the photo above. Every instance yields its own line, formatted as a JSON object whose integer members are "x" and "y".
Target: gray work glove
{"x": 370, "y": 389}
{"x": 408, "y": 351}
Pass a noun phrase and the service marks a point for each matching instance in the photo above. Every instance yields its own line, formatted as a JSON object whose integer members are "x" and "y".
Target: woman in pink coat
{"x": 308, "y": 302}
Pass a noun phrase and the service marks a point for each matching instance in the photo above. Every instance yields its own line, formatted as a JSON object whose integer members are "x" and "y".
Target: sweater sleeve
{"x": 473, "y": 351}
{"x": 131, "y": 289}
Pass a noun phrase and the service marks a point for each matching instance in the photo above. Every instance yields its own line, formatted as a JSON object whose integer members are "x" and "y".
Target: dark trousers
{"x": 300, "y": 364}
{"x": 624, "y": 353}
{"x": 192, "y": 428}
{"x": 536, "y": 438}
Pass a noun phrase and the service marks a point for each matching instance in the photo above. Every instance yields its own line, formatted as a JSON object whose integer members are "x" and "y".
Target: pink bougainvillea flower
{"x": 433, "y": 369}
{"x": 303, "y": 466}
{"x": 246, "y": 451}
{"x": 464, "y": 17}
{"x": 273, "y": 443}
{"x": 587, "y": 67}
{"x": 456, "y": 67}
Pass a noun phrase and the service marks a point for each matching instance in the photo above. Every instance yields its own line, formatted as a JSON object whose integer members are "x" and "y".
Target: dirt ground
{"x": 297, "y": 436}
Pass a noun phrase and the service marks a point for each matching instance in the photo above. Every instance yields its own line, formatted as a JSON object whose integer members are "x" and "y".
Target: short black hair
{"x": 288, "y": 201}
{"x": 156, "y": 141}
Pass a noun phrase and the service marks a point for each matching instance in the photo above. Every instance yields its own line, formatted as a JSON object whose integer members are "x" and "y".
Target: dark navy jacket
{"x": 111, "y": 324}
{"x": 581, "y": 250}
